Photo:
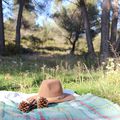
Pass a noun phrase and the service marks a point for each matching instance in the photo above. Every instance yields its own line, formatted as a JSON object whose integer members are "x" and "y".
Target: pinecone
{"x": 24, "y": 106}
{"x": 33, "y": 105}
{"x": 27, "y": 106}
{"x": 42, "y": 102}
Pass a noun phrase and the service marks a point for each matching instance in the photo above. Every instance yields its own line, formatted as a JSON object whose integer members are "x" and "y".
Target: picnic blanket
{"x": 84, "y": 107}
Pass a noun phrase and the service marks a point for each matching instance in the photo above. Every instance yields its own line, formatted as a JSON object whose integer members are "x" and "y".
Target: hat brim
{"x": 67, "y": 97}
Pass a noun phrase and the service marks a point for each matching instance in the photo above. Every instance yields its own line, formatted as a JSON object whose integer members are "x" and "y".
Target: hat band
{"x": 56, "y": 98}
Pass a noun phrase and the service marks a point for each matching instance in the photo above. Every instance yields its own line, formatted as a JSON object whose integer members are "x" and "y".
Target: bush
{"x": 12, "y": 50}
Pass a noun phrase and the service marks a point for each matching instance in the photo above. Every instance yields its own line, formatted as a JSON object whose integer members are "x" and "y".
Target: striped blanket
{"x": 85, "y": 107}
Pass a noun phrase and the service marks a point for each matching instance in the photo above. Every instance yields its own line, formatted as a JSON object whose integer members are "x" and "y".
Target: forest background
{"x": 76, "y": 41}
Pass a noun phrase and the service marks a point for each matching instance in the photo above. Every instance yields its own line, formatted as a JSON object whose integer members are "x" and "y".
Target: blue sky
{"x": 7, "y": 12}
{"x": 52, "y": 8}
{"x": 44, "y": 16}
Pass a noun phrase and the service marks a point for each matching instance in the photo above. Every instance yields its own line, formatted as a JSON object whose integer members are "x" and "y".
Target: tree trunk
{"x": 105, "y": 24}
{"x": 18, "y": 26}
{"x": 74, "y": 43}
{"x": 117, "y": 49}
{"x": 87, "y": 28}
{"x": 114, "y": 27}
{"x": 2, "y": 39}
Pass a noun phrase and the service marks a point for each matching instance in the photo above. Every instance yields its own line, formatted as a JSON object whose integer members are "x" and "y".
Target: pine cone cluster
{"x": 27, "y": 106}
{"x": 42, "y": 102}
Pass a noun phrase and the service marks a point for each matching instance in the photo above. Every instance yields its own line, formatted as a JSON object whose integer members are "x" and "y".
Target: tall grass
{"x": 21, "y": 74}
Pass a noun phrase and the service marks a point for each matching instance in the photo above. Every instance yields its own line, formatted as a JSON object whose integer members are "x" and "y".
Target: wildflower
{"x": 21, "y": 63}
{"x": 111, "y": 60}
{"x": 35, "y": 64}
{"x": 103, "y": 63}
{"x": 14, "y": 62}
{"x": 44, "y": 66}
{"x": 57, "y": 67}
{"x": 8, "y": 76}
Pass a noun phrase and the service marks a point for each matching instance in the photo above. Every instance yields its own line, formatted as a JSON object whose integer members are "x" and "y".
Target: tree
{"x": 83, "y": 24}
{"x": 105, "y": 25}
{"x": 2, "y": 39}
{"x": 72, "y": 22}
{"x": 18, "y": 26}
{"x": 87, "y": 28}
{"x": 28, "y": 5}
{"x": 28, "y": 20}
{"x": 114, "y": 27}
{"x": 117, "y": 46}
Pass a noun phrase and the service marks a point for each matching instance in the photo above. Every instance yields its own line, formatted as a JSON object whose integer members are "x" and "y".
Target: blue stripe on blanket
{"x": 85, "y": 107}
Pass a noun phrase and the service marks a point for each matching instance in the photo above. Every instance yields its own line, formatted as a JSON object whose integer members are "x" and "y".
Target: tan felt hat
{"x": 52, "y": 90}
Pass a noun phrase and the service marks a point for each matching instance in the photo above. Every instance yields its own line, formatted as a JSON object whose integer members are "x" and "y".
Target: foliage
{"x": 28, "y": 20}
{"x": 78, "y": 72}
{"x": 11, "y": 50}
{"x": 92, "y": 12}
{"x": 71, "y": 20}
{"x": 25, "y": 74}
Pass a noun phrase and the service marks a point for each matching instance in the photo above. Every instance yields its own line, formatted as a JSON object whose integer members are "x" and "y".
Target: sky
{"x": 44, "y": 16}
{"x": 41, "y": 18}
{"x": 52, "y": 8}
{"x": 7, "y": 12}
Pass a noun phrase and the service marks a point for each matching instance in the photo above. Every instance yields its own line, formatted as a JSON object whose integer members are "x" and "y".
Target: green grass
{"x": 24, "y": 74}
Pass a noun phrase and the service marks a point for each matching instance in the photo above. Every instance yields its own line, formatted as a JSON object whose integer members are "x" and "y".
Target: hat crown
{"x": 51, "y": 88}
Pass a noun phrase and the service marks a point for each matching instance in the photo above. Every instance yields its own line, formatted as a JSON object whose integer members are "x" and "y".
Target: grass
{"x": 24, "y": 74}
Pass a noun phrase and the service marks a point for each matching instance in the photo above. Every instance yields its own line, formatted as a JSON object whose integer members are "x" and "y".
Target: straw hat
{"x": 52, "y": 90}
